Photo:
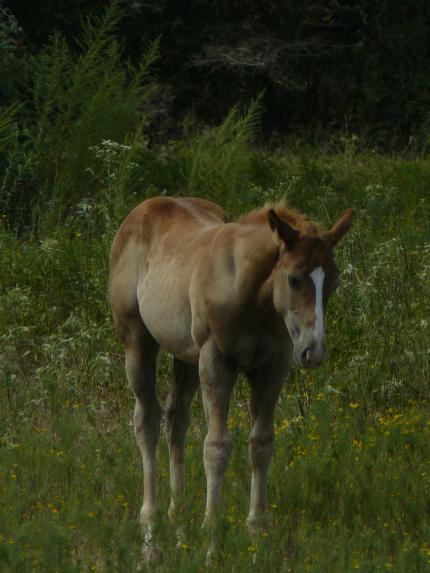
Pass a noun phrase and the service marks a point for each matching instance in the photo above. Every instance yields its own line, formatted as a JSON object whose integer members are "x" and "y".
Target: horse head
{"x": 304, "y": 278}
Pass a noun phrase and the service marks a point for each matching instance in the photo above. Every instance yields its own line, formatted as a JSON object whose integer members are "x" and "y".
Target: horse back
{"x": 154, "y": 218}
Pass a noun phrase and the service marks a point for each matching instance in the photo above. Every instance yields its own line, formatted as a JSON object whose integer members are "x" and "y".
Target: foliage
{"x": 77, "y": 100}
{"x": 325, "y": 66}
{"x": 13, "y": 60}
{"x": 217, "y": 162}
{"x": 7, "y": 126}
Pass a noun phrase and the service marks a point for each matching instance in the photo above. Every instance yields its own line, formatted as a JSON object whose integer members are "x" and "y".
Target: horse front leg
{"x": 266, "y": 384}
{"x": 217, "y": 381}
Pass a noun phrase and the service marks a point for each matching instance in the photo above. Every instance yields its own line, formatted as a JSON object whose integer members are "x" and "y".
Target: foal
{"x": 220, "y": 297}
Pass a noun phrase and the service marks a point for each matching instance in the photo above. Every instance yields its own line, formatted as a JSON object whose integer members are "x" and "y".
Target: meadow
{"x": 349, "y": 485}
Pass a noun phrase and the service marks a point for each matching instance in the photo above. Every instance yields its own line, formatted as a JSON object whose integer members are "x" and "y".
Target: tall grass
{"x": 218, "y": 161}
{"x": 78, "y": 98}
{"x": 349, "y": 482}
{"x": 8, "y": 128}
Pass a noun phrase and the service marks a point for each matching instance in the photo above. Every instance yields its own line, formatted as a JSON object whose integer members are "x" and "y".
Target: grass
{"x": 349, "y": 485}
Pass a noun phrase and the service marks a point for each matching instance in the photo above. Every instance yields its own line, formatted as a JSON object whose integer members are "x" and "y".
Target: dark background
{"x": 325, "y": 65}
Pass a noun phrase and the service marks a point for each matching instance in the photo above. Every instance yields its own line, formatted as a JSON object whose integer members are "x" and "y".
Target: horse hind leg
{"x": 178, "y": 416}
{"x": 140, "y": 364}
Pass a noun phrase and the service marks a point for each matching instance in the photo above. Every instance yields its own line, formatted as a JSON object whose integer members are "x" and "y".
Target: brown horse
{"x": 220, "y": 297}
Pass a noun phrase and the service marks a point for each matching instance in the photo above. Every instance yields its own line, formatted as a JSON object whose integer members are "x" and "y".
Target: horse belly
{"x": 165, "y": 309}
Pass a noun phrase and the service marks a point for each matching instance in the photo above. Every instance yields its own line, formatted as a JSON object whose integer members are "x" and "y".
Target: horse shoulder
{"x": 217, "y": 307}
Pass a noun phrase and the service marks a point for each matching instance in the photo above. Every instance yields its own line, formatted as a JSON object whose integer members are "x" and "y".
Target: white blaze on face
{"x": 317, "y": 275}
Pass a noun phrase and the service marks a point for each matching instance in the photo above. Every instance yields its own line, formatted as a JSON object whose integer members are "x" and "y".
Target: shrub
{"x": 78, "y": 99}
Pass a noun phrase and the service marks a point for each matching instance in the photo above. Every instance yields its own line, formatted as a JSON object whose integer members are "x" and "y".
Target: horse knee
{"x": 178, "y": 416}
{"x": 169, "y": 414}
{"x": 140, "y": 366}
{"x": 261, "y": 447}
{"x": 217, "y": 454}
{"x": 147, "y": 421}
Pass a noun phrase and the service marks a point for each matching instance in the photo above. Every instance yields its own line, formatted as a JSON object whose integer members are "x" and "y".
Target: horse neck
{"x": 258, "y": 255}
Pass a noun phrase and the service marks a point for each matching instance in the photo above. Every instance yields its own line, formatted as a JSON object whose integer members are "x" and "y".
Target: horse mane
{"x": 305, "y": 226}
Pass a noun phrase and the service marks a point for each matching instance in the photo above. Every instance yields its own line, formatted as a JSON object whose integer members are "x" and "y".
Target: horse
{"x": 221, "y": 297}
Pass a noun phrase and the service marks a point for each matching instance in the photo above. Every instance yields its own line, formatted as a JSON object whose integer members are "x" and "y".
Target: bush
{"x": 77, "y": 100}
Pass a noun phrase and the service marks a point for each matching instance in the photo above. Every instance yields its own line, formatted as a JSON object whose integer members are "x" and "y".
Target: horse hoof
{"x": 151, "y": 558}
{"x": 210, "y": 555}
{"x": 255, "y": 528}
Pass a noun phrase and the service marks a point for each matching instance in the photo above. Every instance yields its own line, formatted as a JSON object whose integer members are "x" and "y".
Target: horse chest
{"x": 250, "y": 347}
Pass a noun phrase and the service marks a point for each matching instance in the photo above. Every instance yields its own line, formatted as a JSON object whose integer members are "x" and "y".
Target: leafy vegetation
{"x": 357, "y": 68}
{"x": 349, "y": 484}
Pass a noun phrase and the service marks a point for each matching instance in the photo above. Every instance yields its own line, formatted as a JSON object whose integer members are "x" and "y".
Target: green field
{"x": 349, "y": 484}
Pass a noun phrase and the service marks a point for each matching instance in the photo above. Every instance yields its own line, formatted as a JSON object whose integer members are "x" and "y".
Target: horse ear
{"x": 284, "y": 230}
{"x": 340, "y": 227}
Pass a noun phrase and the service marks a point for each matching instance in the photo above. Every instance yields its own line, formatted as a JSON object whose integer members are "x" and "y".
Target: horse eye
{"x": 294, "y": 281}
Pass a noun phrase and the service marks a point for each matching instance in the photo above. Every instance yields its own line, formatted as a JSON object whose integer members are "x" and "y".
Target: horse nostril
{"x": 306, "y": 356}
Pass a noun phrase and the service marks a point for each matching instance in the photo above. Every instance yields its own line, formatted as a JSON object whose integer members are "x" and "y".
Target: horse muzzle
{"x": 310, "y": 355}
